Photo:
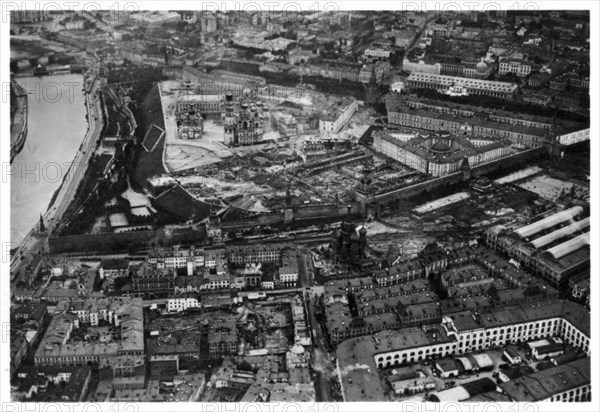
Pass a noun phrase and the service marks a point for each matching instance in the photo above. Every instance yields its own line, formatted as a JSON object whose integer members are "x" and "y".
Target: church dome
{"x": 297, "y": 349}
{"x": 347, "y": 227}
{"x": 441, "y": 146}
{"x": 481, "y": 67}
{"x": 362, "y": 231}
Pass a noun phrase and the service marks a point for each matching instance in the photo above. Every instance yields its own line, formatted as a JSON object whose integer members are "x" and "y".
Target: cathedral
{"x": 189, "y": 124}
{"x": 247, "y": 125}
{"x": 349, "y": 242}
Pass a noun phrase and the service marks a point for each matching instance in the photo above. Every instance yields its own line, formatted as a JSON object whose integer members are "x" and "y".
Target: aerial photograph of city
{"x": 298, "y": 207}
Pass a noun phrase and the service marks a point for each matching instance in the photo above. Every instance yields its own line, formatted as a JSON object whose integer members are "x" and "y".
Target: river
{"x": 56, "y": 127}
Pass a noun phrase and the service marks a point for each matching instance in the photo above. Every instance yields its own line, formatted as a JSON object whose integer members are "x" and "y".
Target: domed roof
{"x": 297, "y": 349}
{"x": 482, "y": 66}
{"x": 347, "y": 227}
{"x": 363, "y": 231}
{"x": 441, "y": 146}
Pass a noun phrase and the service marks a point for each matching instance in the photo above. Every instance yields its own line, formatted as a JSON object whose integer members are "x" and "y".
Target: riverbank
{"x": 65, "y": 194}
{"x": 18, "y": 126}
{"x": 78, "y": 167}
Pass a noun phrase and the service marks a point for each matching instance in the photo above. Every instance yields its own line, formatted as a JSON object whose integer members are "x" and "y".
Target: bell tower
{"x": 466, "y": 169}
{"x": 229, "y": 121}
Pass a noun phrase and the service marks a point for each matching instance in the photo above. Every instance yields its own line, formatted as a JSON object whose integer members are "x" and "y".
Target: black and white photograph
{"x": 321, "y": 206}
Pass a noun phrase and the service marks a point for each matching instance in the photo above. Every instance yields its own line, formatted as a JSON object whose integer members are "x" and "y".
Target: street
{"x": 321, "y": 362}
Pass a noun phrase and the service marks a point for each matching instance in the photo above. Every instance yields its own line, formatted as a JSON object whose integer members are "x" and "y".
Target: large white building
{"x": 439, "y": 153}
{"x": 155, "y": 19}
{"x": 503, "y": 90}
{"x": 421, "y": 67}
{"x": 337, "y": 116}
{"x": 210, "y": 106}
{"x": 459, "y": 333}
{"x": 177, "y": 258}
{"x": 517, "y": 66}
{"x": 378, "y": 53}
{"x": 181, "y": 304}
{"x": 288, "y": 272}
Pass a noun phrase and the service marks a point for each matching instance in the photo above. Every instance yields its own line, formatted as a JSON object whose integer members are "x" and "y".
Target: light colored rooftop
{"x": 463, "y": 82}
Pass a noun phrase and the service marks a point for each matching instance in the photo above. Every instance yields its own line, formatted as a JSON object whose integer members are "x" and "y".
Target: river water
{"x": 57, "y": 124}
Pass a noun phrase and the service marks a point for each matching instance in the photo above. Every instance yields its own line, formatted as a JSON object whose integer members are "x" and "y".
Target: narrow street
{"x": 321, "y": 362}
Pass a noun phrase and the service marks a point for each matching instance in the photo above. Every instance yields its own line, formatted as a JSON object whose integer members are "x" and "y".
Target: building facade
{"x": 245, "y": 126}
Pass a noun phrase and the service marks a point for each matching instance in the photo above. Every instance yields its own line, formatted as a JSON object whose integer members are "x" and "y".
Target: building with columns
{"x": 502, "y": 90}
{"x": 459, "y": 333}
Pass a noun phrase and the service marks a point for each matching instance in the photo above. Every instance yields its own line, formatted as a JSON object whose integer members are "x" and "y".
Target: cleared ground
{"x": 547, "y": 187}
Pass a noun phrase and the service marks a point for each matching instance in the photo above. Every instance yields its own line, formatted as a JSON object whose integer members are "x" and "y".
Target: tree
{"x": 120, "y": 282}
{"x": 245, "y": 366}
{"x": 42, "y": 226}
{"x": 89, "y": 25}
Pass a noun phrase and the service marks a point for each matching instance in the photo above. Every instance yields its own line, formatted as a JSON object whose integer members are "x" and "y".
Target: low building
{"x": 376, "y": 71}
{"x": 570, "y": 382}
{"x": 152, "y": 281}
{"x": 288, "y": 272}
{"x": 223, "y": 343}
{"x": 379, "y": 53}
{"x": 58, "y": 348}
{"x": 182, "y": 304}
{"x": 505, "y": 375}
{"x": 538, "y": 99}
{"x": 579, "y": 286}
{"x": 519, "y": 67}
{"x": 188, "y": 284}
{"x": 464, "y": 392}
{"x": 447, "y": 368}
{"x": 550, "y": 350}
{"x": 512, "y": 355}
{"x": 412, "y": 386}
{"x": 110, "y": 269}
{"x": 164, "y": 365}
{"x": 191, "y": 108}
{"x": 69, "y": 383}
{"x": 403, "y": 37}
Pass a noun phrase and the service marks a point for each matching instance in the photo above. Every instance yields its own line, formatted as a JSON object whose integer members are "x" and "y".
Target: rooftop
{"x": 468, "y": 83}
{"x": 442, "y": 147}
{"x": 356, "y": 363}
{"x": 544, "y": 384}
